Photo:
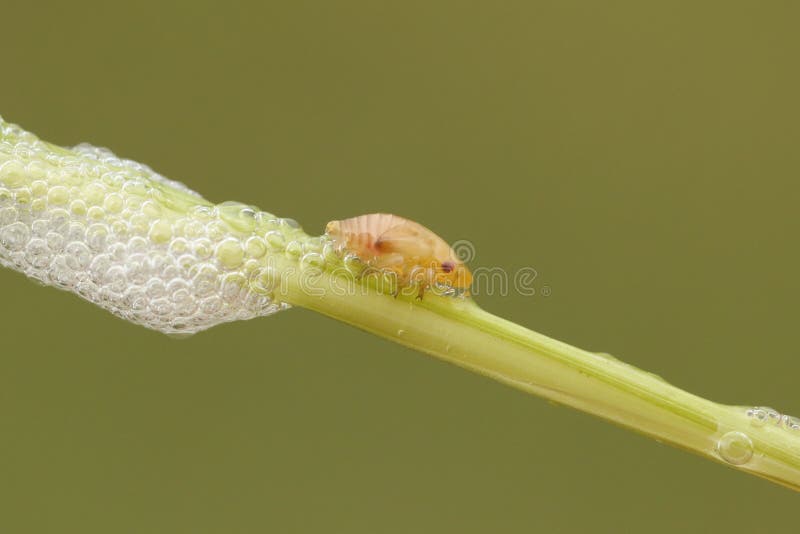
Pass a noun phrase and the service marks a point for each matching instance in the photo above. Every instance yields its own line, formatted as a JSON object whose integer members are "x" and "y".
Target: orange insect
{"x": 392, "y": 244}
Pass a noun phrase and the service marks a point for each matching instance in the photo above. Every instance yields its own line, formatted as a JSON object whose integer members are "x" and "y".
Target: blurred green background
{"x": 641, "y": 156}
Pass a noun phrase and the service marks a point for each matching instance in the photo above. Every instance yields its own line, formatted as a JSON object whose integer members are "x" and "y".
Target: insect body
{"x": 412, "y": 253}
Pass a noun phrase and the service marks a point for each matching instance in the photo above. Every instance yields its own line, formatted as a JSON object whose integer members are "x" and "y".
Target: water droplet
{"x": 238, "y": 215}
{"x": 203, "y": 248}
{"x": 38, "y": 205}
{"x": 139, "y": 224}
{"x": 230, "y": 253}
{"x": 790, "y": 423}
{"x": 761, "y": 415}
{"x": 232, "y": 286}
{"x": 206, "y": 281}
{"x": 735, "y": 448}
{"x": 150, "y": 209}
{"x": 294, "y": 248}
{"x": 96, "y": 236}
{"x": 178, "y": 246}
{"x": 275, "y": 240}
{"x": 39, "y": 188}
{"x": 137, "y": 245}
{"x": 155, "y": 288}
{"x": 312, "y": 260}
{"x": 37, "y": 253}
{"x": 160, "y": 231}
{"x": 58, "y": 195}
{"x": 216, "y": 230}
{"x": 255, "y": 247}
{"x": 78, "y": 207}
{"x": 193, "y": 228}
{"x": 23, "y": 196}
{"x": 14, "y": 236}
{"x": 758, "y": 416}
{"x": 39, "y": 227}
{"x": 96, "y": 213}
{"x": 134, "y": 188}
{"x": 115, "y": 278}
{"x": 55, "y": 241}
{"x": 113, "y": 203}
{"x": 95, "y": 192}
{"x": 12, "y": 173}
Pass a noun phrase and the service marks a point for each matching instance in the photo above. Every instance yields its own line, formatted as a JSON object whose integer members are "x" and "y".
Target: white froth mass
{"x": 146, "y": 248}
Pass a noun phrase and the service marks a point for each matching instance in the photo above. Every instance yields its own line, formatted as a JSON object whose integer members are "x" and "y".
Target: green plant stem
{"x": 458, "y": 331}
{"x": 34, "y": 175}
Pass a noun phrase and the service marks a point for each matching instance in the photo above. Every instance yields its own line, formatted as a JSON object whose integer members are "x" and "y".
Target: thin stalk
{"x": 37, "y": 180}
{"x": 460, "y": 332}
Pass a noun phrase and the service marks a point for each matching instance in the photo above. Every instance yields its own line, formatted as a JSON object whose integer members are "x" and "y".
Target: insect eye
{"x": 448, "y": 266}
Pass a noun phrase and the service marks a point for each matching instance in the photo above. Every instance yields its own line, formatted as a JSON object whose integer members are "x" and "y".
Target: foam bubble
{"x": 146, "y": 248}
